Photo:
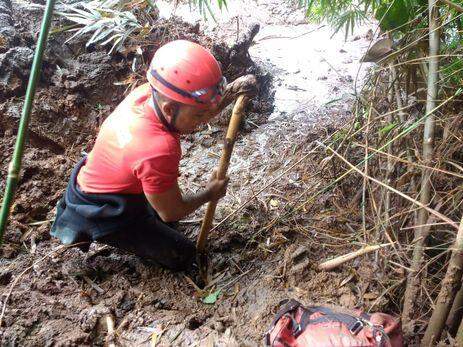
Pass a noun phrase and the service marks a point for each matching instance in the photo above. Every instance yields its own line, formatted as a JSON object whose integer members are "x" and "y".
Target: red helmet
{"x": 188, "y": 73}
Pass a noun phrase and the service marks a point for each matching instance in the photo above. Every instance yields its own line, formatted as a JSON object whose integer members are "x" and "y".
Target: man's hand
{"x": 246, "y": 84}
{"x": 242, "y": 85}
{"x": 216, "y": 188}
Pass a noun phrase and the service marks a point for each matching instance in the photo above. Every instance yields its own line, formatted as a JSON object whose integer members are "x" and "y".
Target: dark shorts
{"x": 125, "y": 221}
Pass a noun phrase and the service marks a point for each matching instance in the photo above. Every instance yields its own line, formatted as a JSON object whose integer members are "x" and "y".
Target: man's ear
{"x": 169, "y": 109}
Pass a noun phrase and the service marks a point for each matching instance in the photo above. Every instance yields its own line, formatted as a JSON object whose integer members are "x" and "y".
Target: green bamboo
{"x": 15, "y": 164}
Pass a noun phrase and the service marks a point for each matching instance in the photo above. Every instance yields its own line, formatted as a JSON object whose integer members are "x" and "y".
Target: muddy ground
{"x": 262, "y": 255}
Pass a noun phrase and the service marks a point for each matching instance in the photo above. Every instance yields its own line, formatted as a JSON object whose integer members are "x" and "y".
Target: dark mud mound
{"x": 15, "y": 61}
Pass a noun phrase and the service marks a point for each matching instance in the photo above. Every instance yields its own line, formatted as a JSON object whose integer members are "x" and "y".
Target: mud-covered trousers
{"x": 124, "y": 221}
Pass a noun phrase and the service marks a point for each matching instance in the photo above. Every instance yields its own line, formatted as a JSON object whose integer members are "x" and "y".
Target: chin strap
{"x": 170, "y": 126}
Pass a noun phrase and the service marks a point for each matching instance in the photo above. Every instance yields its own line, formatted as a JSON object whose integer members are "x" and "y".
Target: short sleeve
{"x": 157, "y": 174}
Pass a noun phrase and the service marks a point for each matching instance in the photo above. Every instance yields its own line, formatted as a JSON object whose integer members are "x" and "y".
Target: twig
{"x": 225, "y": 286}
{"x": 122, "y": 324}
{"x": 270, "y": 37}
{"x": 175, "y": 337}
{"x": 110, "y": 338}
{"x": 93, "y": 285}
{"x": 387, "y": 291}
{"x": 412, "y": 163}
{"x": 334, "y": 263}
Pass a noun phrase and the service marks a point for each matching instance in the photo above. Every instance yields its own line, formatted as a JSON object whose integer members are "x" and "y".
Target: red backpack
{"x": 318, "y": 326}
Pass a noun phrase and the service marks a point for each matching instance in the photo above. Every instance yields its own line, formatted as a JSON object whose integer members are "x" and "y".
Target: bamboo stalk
{"x": 459, "y": 337}
{"x": 235, "y": 120}
{"x": 334, "y": 263}
{"x": 413, "y": 281}
{"x": 390, "y": 164}
{"x": 450, "y": 286}
{"x": 15, "y": 165}
{"x": 456, "y": 313}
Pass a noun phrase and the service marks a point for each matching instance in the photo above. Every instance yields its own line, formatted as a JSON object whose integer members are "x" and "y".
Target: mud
{"x": 61, "y": 297}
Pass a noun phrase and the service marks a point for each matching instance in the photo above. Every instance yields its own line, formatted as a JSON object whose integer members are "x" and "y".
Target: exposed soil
{"x": 264, "y": 254}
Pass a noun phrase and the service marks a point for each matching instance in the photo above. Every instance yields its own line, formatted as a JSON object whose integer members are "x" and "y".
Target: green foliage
{"x": 204, "y": 7}
{"x": 392, "y": 14}
{"x": 212, "y": 297}
{"x": 104, "y": 19}
{"x": 451, "y": 70}
{"x": 340, "y": 13}
{"x": 388, "y": 128}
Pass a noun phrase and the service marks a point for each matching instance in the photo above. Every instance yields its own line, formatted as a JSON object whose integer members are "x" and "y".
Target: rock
{"x": 8, "y": 36}
{"x": 347, "y": 299}
{"x": 5, "y": 276}
{"x": 15, "y": 67}
{"x": 89, "y": 317}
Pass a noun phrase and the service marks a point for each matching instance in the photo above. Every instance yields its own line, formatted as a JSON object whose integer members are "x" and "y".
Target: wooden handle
{"x": 233, "y": 126}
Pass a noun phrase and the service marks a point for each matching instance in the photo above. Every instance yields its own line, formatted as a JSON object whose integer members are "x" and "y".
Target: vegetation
{"x": 114, "y": 21}
{"x": 106, "y": 22}
{"x": 410, "y": 149}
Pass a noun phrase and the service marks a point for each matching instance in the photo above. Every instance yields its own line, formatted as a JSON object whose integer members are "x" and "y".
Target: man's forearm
{"x": 172, "y": 205}
{"x": 190, "y": 203}
{"x": 193, "y": 201}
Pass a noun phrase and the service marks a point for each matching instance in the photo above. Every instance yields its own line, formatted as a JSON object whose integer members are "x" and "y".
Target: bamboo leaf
{"x": 387, "y": 129}
{"x": 393, "y": 15}
{"x": 212, "y": 297}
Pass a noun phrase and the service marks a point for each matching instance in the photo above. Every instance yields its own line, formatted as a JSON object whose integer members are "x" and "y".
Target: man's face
{"x": 187, "y": 119}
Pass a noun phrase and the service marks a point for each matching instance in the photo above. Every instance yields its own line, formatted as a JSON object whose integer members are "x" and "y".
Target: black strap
{"x": 354, "y": 324}
{"x": 365, "y": 316}
{"x": 305, "y": 319}
{"x": 161, "y": 116}
{"x": 289, "y": 306}
{"x": 169, "y": 85}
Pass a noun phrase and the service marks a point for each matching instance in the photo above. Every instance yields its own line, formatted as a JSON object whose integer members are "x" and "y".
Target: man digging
{"x": 125, "y": 193}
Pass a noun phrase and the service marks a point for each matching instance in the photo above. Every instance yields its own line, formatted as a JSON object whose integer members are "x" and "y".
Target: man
{"x": 125, "y": 193}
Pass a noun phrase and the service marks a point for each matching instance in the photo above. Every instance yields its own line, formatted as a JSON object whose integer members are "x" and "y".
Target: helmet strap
{"x": 169, "y": 125}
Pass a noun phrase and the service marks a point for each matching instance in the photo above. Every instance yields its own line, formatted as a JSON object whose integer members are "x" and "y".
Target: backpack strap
{"x": 290, "y": 306}
{"x": 354, "y": 324}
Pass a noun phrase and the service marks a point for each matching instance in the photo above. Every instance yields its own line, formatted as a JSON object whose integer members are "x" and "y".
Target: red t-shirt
{"x": 134, "y": 152}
